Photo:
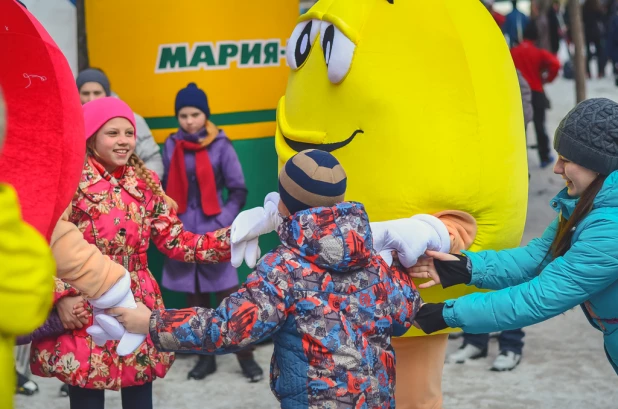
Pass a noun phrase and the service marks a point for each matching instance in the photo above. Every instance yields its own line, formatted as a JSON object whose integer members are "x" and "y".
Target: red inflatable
{"x": 44, "y": 150}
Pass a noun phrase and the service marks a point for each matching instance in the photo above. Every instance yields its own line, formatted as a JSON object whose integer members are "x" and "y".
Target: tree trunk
{"x": 82, "y": 43}
{"x": 579, "y": 60}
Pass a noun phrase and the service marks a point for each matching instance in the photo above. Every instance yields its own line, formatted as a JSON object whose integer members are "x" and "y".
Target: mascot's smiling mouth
{"x": 290, "y": 140}
{"x": 328, "y": 147}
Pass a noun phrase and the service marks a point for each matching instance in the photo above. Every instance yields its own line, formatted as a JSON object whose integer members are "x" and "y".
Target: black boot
{"x": 251, "y": 370}
{"x": 64, "y": 391}
{"x": 206, "y": 365}
{"x": 25, "y": 386}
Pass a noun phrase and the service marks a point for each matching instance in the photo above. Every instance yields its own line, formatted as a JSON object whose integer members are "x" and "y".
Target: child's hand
{"x": 65, "y": 307}
{"x": 80, "y": 311}
{"x": 426, "y": 269}
{"x": 135, "y": 320}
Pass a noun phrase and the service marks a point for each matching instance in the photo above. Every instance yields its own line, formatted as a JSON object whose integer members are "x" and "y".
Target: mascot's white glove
{"x": 251, "y": 224}
{"x": 107, "y": 327}
{"x": 410, "y": 238}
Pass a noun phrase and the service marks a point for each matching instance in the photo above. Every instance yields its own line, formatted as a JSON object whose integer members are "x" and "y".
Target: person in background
{"x": 594, "y": 31}
{"x": 554, "y": 19}
{"x": 499, "y": 18}
{"x": 526, "y": 99}
{"x": 537, "y": 67}
{"x": 539, "y": 16}
{"x": 200, "y": 164}
{"x": 612, "y": 40}
{"x": 92, "y": 84}
{"x": 514, "y": 25}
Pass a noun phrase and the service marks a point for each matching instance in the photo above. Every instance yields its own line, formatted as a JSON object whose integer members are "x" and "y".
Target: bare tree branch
{"x": 579, "y": 60}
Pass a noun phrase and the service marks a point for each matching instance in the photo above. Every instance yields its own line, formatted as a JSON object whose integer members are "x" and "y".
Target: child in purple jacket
{"x": 200, "y": 163}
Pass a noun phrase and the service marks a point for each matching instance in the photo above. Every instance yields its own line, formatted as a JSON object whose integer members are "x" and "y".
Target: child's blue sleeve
{"x": 258, "y": 309}
{"x": 404, "y": 299}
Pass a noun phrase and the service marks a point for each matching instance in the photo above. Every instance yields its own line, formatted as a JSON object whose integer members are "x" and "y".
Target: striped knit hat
{"x": 311, "y": 178}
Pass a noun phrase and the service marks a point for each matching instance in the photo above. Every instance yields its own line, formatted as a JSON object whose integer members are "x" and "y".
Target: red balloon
{"x": 44, "y": 149}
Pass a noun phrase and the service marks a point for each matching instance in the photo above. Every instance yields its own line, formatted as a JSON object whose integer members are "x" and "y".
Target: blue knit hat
{"x": 194, "y": 97}
{"x": 311, "y": 178}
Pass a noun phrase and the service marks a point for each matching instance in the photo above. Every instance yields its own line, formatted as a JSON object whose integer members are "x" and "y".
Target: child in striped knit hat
{"x": 328, "y": 300}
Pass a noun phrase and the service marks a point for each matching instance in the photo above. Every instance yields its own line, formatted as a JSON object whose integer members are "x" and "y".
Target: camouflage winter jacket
{"x": 329, "y": 302}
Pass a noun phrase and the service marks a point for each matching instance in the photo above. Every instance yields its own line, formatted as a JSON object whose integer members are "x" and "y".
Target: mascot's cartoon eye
{"x": 301, "y": 42}
{"x": 338, "y": 52}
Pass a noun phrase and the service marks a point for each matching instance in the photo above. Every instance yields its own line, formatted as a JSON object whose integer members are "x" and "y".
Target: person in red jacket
{"x": 500, "y": 19}
{"x": 538, "y": 66}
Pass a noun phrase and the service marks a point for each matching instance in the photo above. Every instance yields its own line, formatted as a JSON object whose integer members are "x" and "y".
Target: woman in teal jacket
{"x": 574, "y": 262}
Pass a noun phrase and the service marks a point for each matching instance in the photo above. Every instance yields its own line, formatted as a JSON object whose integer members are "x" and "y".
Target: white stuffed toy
{"x": 106, "y": 327}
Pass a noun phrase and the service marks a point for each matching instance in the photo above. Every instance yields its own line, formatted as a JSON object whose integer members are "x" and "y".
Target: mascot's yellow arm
{"x": 26, "y": 285}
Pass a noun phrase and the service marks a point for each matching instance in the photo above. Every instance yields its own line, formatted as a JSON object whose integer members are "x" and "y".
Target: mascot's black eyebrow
{"x": 391, "y": 1}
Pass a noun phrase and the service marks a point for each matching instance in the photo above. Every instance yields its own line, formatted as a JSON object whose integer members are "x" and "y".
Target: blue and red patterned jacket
{"x": 330, "y": 303}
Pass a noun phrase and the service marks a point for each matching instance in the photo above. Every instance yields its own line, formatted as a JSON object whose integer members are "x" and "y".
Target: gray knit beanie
{"x": 588, "y": 135}
{"x": 94, "y": 75}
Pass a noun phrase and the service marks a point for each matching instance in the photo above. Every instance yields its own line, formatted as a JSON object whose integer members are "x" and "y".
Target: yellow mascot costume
{"x": 419, "y": 101}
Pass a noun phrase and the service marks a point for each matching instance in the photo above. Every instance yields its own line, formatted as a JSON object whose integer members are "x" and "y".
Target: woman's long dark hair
{"x": 566, "y": 228}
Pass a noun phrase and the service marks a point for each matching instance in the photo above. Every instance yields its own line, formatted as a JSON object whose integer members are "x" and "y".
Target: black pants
{"x": 599, "y": 53}
{"x": 509, "y": 340}
{"x": 539, "y": 105}
{"x": 203, "y": 300}
{"x": 133, "y": 397}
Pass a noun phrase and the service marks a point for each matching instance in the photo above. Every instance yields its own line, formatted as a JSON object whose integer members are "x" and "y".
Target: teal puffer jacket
{"x": 533, "y": 287}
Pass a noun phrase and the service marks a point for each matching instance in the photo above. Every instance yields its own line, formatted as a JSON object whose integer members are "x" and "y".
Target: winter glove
{"x": 410, "y": 238}
{"x": 251, "y": 224}
{"x": 108, "y": 328}
{"x": 453, "y": 272}
{"x": 430, "y": 319}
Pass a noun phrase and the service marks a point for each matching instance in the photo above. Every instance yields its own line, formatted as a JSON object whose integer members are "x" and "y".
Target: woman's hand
{"x": 66, "y": 308}
{"x": 135, "y": 320}
{"x": 426, "y": 269}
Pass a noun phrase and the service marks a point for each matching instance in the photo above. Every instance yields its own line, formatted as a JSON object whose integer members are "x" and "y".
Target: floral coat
{"x": 121, "y": 216}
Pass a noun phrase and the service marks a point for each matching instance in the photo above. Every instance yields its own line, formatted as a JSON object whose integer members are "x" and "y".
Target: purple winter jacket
{"x": 182, "y": 277}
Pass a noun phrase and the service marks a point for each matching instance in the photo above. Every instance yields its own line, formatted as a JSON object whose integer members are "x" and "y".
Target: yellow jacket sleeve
{"x": 27, "y": 271}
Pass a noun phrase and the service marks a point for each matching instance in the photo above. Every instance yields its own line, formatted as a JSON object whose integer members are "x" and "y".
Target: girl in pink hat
{"x": 119, "y": 207}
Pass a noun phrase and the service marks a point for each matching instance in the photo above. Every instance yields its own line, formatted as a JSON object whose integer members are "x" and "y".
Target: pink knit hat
{"x": 99, "y": 111}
